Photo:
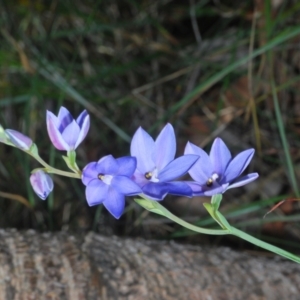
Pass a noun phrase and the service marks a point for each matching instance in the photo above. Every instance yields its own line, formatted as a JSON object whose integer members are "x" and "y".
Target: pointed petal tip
{"x": 165, "y": 147}
{"x": 115, "y": 203}
{"x": 244, "y": 180}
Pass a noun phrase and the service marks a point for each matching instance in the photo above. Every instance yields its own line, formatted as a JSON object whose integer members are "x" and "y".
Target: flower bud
{"x": 66, "y": 133}
{"x": 41, "y": 183}
{"x": 18, "y": 139}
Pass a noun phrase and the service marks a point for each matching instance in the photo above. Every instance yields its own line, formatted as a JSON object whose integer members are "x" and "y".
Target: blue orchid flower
{"x": 218, "y": 171}
{"x": 108, "y": 182}
{"x": 156, "y": 166}
{"x": 66, "y": 133}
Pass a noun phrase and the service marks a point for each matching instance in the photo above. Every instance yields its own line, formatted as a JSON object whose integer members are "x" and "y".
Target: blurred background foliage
{"x": 211, "y": 68}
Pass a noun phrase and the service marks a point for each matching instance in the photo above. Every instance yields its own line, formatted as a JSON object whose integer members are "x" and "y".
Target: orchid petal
{"x": 244, "y": 180}
{"x": 70, "y": 134}
{"x": 50, "y": 115}
{"x": 238, "y": 165}
{"x": 139, "y": 179}
{"x": 107, "y": 165}
{"x": 80, "y": 119}
{"x": 165, "y": 147}
{"x": 64, "y": 118}
{"x": 127, "y": 165}
{"x": 54, "y": 134}
{"x": 196, "y": 187}
{"x": 125, "y": 185}
{"x": 19, "y": 139}
{"x": 178, "y": 167}
{"x": 202, "y": 170}
{"x": 96, "y": 192}
{"x": 142, "y": 147}
{"x": 115, "y": 203}
{"x": 204, "y": 190}
{"x": 179, "y": 188}
{"x": 214, "y": 189}
{"x": 84, "y": 128}
{"x": 89, "y": 173}
{"x": 220, "y": 156}
{"x": 156, "y": 191}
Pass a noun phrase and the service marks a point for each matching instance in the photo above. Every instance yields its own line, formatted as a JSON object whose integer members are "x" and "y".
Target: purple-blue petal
{"x": 64, "y": 118}
{"x": 19, "y": 139}
{"x": 204, "y": 190}
{"x": 81, "y": 118}
{"x": 244, "y": 180}
{"x": 178, "y": 167}
{"x": 54, "y": 134}
{"x": 115, "y": 203}
{"x": 202, "y": 170}
{"x": 139, "y": 179}
{"x": 238, "y": 165}
{"x": 84, "y": 128}
{"x": 220, "y": 156}
{"x": 96, "y": 192}
{"x": 216, "y": 189}
{"x": 179, "y": 188}
{"x": 107, "y": 165}
{"x": 125, "y": 185}
{"x": 89, "y": 173}
{"x": 142, "y": 147}
{"x": 165, "y": 147}
{"x": 70, "y": 134}
{"x": 196, "y": 187}
{"x": 127, "y": 165}
{"x": 156, "y": 191}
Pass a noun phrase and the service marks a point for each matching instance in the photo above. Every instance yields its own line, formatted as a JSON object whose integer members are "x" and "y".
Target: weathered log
{"x": 61, "y": 266}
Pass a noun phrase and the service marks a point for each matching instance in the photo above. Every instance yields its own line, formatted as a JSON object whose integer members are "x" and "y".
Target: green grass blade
{"x": 285, "y": 144}
{"x": 281, "y": 38}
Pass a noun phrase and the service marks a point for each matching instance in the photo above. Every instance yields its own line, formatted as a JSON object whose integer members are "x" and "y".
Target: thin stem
{"x": 56, "y": 171}
{"x": 263, "y": 245}
{"x": 157, "y": 208}
{"x": 195, "y": 228}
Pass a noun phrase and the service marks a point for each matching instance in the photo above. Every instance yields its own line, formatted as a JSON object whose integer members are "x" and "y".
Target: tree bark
{"x": 61, "y": 266}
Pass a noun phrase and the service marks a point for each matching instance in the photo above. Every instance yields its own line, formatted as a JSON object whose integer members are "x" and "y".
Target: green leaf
{"x": 2, "y": 133}
{"x": 222, "y": 219}
{"x": 72, "y": 161}
{"x": 210, "y": 209}
{"x": 217, "y": 216}
{"x": 34, "y": 151}
{"x": 69, "y": 164}
{"x": 151, "y": 206}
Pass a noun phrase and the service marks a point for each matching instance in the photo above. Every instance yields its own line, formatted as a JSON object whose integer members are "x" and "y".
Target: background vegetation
{"x": 211, "y": 68}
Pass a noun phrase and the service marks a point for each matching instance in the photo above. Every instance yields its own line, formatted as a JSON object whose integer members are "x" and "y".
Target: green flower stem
{"x": 53, "y": 170}
{"x": 196, "y": 228}
{"x": 157, "y": 208}
{"x": 264, "y": 245}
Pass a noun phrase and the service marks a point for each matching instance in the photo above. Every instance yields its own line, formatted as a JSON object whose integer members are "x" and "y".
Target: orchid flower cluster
{"x": 151, "y": 171}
